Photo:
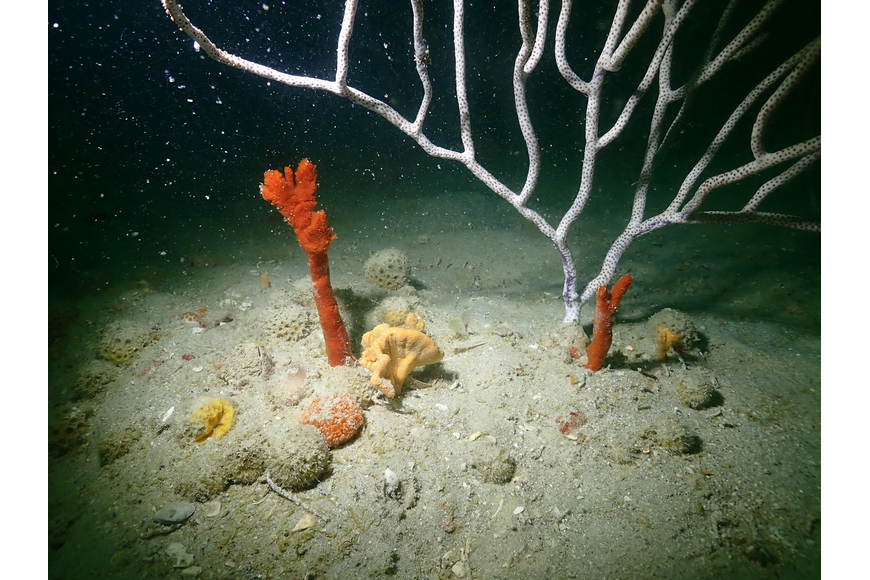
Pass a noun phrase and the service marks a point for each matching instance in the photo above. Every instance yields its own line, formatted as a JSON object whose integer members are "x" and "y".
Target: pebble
{"x": 174, "y": 513}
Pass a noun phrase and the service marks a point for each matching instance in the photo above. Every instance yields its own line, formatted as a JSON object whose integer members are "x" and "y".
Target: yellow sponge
{"x": 216, "y": 418}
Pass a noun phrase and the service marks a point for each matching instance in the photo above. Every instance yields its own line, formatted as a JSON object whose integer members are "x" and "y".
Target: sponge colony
{"x": 122, "y": 341}
{"x": 394, "y": 310}
{"x": 299, "y": 459}
{"x": 388, "y": 269}
{"x": 287, "y": 322}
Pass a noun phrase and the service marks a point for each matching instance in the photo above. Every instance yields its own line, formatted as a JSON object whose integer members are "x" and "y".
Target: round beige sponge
{"x": 388, "y": 269}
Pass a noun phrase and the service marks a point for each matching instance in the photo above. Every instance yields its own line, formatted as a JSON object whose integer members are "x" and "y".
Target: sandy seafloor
{"x": 607, "y": 499}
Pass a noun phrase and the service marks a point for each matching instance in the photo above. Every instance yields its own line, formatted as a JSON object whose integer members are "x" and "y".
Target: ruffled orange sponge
{"x": 338, "y": 418}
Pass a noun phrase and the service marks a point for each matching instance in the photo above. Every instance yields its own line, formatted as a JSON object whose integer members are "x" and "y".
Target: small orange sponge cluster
{"x": 338, "y": 418}
{"x": 666, "y": 341}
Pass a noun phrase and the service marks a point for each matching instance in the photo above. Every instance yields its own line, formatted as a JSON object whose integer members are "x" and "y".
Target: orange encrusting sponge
{"x": 294, "y": 198}
{"x": 338, "y": 418}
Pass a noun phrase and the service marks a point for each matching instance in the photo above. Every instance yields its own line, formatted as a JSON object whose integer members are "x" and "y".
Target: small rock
{"x": 174, "y": 513}
{"x": 192, "y": 571}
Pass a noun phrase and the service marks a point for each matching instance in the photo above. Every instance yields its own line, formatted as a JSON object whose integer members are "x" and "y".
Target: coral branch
{"x": 294, "y": 198}
{"x": 602, "y": 324}
{"x": 769, "y": 88}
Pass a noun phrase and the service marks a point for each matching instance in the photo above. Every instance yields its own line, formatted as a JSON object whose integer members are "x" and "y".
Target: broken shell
{"x": 212, "y": 509}
{"x": 392, "y": 483}
{"x": 305, "y": 522}
{"x": 174, "y": 513}
{"x": 182, "y": 558}
{"x": 168, "y": 414}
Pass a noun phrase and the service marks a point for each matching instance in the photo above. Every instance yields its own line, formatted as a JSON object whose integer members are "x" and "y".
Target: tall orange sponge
{"x": 294, "y": 198}
{"x": 602, "y": 323}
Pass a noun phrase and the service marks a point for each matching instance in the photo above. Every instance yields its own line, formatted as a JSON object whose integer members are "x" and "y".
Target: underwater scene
{"x": 309, "y": 321}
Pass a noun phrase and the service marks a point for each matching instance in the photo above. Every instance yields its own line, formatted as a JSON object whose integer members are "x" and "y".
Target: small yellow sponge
{"x": 216, "y": 418}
